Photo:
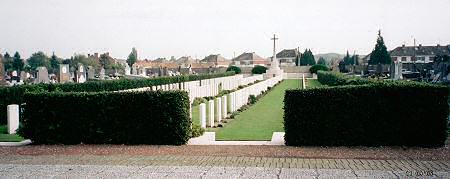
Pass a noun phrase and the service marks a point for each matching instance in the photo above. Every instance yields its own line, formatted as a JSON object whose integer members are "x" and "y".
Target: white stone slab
{"x": 13, "y": 118}
{"x": 203, "y": 115}
{"x": 211, "y": 113}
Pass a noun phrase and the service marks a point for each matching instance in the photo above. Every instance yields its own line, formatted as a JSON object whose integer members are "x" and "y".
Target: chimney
{"x": 96, "y": 55}
{"x": 403, "y": 46}
{"x": 438, "y": 45}
{"x": 420, "y": 45}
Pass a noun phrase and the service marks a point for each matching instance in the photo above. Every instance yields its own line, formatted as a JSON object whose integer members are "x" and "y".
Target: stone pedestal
{"x": 13, "y": 118}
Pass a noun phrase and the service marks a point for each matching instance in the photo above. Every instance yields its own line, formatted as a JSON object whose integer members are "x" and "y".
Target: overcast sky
{"x": 162, "y": 28}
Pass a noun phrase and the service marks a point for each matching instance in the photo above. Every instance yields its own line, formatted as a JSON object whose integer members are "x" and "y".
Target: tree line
{"x": 40, "y": 59}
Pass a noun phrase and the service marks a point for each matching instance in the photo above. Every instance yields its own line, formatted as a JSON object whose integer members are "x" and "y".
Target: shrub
{"x": 259, "y": 69}
{"x": 236, "y": 69}
{"x": 252, "y": 99}
{"x": 198, "y": 101}
{"x": 377, "y": 114}
{"x": 107, "y": 118}
{"x": 197, "y": 131}
{"x": 337, "y": 79}
{"x": 316, "y": 68}
{"x": 14, "y": 95}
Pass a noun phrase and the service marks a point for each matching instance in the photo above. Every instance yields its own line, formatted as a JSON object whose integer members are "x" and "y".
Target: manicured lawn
{"x": 260, "y": 120}
{"x": 5, "y": 137}
{"x": 313, "y": 83}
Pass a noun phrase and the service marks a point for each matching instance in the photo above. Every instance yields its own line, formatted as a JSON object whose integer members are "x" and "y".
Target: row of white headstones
{"x": 195, "y": 89}
{"x": 218, "y": 108}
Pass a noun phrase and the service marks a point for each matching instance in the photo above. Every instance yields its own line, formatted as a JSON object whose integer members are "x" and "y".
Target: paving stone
{"x": 335, "y": 172}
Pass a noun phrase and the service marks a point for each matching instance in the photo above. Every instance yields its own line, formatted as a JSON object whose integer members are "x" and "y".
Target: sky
{"x": 197, "y": 28}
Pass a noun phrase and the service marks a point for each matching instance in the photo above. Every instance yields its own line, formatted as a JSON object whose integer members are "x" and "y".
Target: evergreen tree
{"x": 380, "y": 54}
{"x": 17, "y": 62}
{"x": 132, "y": 58}
{"x": 307, "y": 58}
{"x": 348, "y": 60}
{"x": 54, "y": 63}
{"x": 322, "y": 61}
{"x": 355, "y": 59}
{"x": 8, "y": 62}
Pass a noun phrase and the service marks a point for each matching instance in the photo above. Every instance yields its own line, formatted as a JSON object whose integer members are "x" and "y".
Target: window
{"x": 403, "y": 59}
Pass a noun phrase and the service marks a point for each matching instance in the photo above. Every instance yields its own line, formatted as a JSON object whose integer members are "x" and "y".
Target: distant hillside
{"x": 329, "y": 56}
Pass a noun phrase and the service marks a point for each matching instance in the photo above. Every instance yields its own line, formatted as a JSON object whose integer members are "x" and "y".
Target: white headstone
{"x": 13, "y": 118}
{"x": 224, "y": 106}
{"x": 203, "y": 115}
{"x": 219, "y": 109}
{"x": 211, "y": 113}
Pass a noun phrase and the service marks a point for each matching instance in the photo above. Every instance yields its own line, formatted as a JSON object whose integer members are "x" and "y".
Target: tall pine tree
{"x": 54, "y": 63}
{"x": 17, "y": 62}
{"x": 307, "y": 58}
{"x": 380, "y": 55}
{"x": 132, "y": 58}
{"x": 8, "y": 62}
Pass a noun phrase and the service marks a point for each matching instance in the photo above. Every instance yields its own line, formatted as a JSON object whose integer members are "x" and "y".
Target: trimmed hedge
{"x": 331, "y": 78}
{"x": 377, "y": 114}
{"x": 318, "y": 67}
{"x": 14, "y": 95}
{"x": 107, "y": 118}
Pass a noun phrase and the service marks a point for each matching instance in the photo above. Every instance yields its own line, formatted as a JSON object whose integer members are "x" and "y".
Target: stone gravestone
{"x": 23, "y": 76}
{"x": 102, "y": 73}
{"x": 127, "y": 70}
{"x": 42, "y": 75}
{"x": 90, "y": 72}
{"x": 81, "y": 74}
{"x": 211, "y": 113}
{"x": 64, "y": 74}
{"x": 13, "y": 118}
{"x": 203, "y": 115}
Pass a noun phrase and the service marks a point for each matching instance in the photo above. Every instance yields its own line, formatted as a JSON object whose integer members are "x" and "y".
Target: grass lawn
{"x": 260, "y": 120}
{"x": 313, "y": 83}
{"x": 5, "y": 137}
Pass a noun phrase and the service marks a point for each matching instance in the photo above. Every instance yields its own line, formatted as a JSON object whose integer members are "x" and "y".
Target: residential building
{"x": 217, "y": 60}
{"x": 288, "y": 57}
{"x": 418, "y": 54}
{"x": 250, "y": 60}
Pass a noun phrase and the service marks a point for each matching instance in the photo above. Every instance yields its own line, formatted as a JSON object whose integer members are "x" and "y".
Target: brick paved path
{"x": 174, "y": 166}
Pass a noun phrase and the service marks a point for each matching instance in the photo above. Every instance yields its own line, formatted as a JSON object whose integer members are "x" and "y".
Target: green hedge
{"x": 378, "y": 114}
{"x": 14, "y": 95}
{"x": 107, "y": 118}
{"x": 331, "y": 78}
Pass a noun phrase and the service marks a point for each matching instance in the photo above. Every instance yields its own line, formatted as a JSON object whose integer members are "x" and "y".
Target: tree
{"x": 38, "y": 59}
{"x": 54, "y": 64}
{"x": 380, "y": 54}
{"x": 17, "y": 63}
{"x": 348, "y": 60}
{"x": 236, "y": 69}
{"x": 307, "y": 58}
{"x": 355, "y": 59}
{"x": 106, "y": 61}
{"x": 8, "y": 62}
{"x": 259, "y": 69}
{"x": 132, "y": 58}
{"x": 322, "y": 61}
{"x": 81, "y": 59}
